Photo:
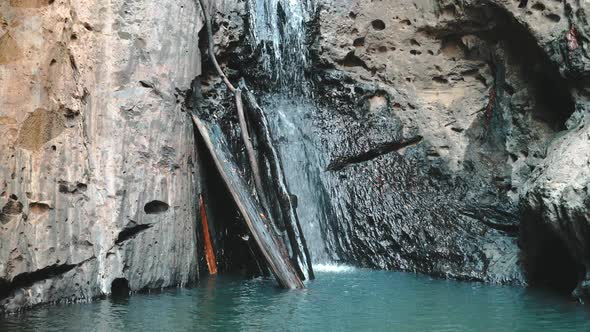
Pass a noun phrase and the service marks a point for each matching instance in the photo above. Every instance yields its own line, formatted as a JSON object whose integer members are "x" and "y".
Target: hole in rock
{"x": 550, "y": 92}
{"x": 359, "y": 42}
{"x": 38, "y": 208}
{"x": 554, "y": 17}
{"x": 81, "y": 186}
{"x": 538, "y": 6}
{"x": 378, "y": 25}
{"x": 352, "y": 60}
{"x": 27, "y": 279}
{"x": 440, "y": 80}
{"x": 120, "y": 287}
{"x": 156, "y": 207}
{"x": 130, "y": 232}
{"x": 12, "y": 208}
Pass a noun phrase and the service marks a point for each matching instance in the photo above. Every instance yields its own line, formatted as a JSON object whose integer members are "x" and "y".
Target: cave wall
{"x": 97, "y": 159}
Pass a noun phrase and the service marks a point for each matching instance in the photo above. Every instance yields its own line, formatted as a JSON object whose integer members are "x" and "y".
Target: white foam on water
{"x": 333, "y": 268}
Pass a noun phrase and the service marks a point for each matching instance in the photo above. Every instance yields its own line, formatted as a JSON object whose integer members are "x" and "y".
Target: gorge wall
{"x": 97, "y": 176}
{"x": 448, "y": 137}
{"x": 497, "y": 91}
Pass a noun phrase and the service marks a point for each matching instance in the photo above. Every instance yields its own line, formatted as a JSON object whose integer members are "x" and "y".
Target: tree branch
{"x": 211, "y": 43}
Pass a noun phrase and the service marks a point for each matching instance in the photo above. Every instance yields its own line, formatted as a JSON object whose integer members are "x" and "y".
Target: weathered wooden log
{"x": 287, "y": 207}
{"x": 250, "y": 152}
{"x": 259, "y": 224}
{"x": 239, "y": 106}
{"x": 301, "y": 261}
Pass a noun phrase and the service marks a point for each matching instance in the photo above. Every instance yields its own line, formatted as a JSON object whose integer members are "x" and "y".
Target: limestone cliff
{"x": 97, "y": 176}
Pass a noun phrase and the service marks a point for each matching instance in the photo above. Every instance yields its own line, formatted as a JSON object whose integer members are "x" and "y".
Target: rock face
{"x": 442, "y": 136}
{"x": 498, "y": 93}
{"x": 97, "y": 175}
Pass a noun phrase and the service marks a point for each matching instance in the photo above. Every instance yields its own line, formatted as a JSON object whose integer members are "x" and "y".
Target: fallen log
{"x": 239, "y": 106}
{"x": 259, "y": 224}
{"x": 252, "y": 158}
{"x": 300, "y": 262}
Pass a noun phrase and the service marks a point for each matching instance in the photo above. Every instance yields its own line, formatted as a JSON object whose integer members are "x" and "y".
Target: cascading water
{"x": 303, "y": 166}
{"x": 278, "y": 30}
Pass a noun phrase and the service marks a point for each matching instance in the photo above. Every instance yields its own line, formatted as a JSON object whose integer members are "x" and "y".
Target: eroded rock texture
{"x": 97, "y": 176}
{"x": 498, "y": 91}
{"x": 446, "y": 137}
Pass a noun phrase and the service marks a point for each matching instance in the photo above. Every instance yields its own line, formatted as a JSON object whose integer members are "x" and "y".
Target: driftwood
{"x": 289, "y": 273}
{"x": 211, "y": 46}
{"x": 252, "y": 158}
{"x": 259, "y": 224}
{"x": 239, "y": 106}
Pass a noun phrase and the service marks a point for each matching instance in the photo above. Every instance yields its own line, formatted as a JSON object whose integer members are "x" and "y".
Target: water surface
{"x": 341, "y": 299}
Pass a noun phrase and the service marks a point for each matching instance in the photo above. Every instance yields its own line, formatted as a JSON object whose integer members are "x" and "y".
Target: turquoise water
{"x": 339, "y": 300}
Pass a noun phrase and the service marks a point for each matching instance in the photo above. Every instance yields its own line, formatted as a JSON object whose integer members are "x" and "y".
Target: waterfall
{"x": 302, "y": 161}
{"x": 278, "y": 29}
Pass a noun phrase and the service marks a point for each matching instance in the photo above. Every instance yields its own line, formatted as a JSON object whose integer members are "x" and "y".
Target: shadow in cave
{"x": 120, "y": 291}
{"x": 546, "y": 259}
{"x": 236, "y": 251}
{"x": 541, "y": 105}
{"x": 549, "y": 90}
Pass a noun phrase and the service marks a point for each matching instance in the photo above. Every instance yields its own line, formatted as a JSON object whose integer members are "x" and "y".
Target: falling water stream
{"x": 279, "y": 29}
